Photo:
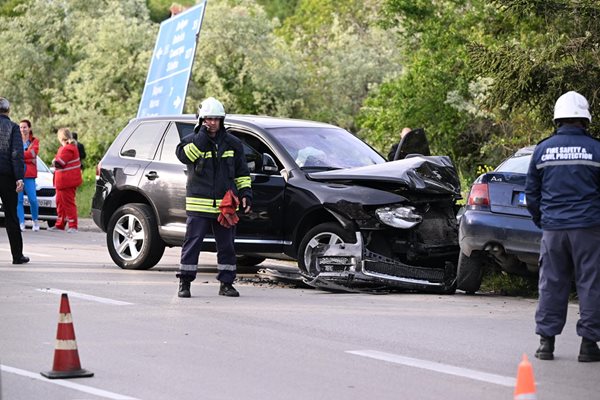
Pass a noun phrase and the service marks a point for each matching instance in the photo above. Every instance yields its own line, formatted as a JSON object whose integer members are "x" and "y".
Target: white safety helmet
{"x": 572, "y": 105}
{"x": 211, "y": 108}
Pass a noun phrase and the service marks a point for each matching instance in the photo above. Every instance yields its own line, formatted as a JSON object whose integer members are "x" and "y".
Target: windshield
{"x": 41, "y": 167}
{"x": 325, "y": 148}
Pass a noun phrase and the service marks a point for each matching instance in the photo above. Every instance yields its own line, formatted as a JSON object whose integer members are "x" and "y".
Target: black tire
{"x": 328, "y": 232}
{"x": 51, "y": 223}
{"x": 469, "y": 272}
{"x": 248, "y": 261}
{"x": 132, "y": 237}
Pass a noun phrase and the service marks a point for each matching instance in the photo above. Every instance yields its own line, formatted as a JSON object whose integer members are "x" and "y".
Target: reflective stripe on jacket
{"x": 68, "y": 167}
{"x": 214, "y": 166}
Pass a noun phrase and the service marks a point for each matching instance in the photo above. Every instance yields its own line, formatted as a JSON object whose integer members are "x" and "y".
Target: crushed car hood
{"x": 428, "y": 174}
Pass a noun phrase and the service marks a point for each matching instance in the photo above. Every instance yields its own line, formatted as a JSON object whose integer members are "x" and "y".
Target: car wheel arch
{"x": 118, "y": 199}
{"x": 317, "y": 217}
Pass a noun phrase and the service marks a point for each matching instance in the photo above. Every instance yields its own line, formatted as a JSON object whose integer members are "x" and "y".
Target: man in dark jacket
{"x": 12, "y": 171}
{"x": 563, "y": 197}
{"x": 216, "y": 164}
{"x": 80, "y": 148}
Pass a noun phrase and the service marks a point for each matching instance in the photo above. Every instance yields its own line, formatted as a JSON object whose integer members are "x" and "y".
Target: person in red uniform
{"x": 67, "y": 177}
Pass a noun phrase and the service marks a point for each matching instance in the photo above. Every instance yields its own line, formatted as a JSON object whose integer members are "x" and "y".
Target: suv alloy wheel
{"x": 132, "y": 237}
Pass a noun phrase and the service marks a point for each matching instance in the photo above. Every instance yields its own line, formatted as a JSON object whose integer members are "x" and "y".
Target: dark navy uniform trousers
{"x": 196, "y": 230}
{"x": 564, "y": 255}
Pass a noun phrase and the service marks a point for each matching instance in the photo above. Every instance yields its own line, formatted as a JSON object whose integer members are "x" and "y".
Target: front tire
{"x": 327, "y": 233}
{"x": 132, "y": 237}
{"x": 470, "y": 272}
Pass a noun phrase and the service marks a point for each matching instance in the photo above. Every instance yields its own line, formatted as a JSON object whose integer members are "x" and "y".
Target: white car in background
{"x": 46, "y": 195}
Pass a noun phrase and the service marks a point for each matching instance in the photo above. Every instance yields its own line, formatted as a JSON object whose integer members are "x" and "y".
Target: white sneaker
{"x": 22, "y": 227}
{"x": 36, "y": 226}
{"x": 72, "y": 230}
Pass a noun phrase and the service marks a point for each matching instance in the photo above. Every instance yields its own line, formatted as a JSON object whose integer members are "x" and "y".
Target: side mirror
{"x": 269, "y": 166}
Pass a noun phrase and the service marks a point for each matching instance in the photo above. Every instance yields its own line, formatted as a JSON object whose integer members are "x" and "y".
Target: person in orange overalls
{"x": 67, "y": 177}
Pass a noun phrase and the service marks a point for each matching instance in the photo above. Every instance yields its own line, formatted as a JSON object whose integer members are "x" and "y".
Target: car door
{"x": 261, "y": 230}
{"x": 164, "y": 182}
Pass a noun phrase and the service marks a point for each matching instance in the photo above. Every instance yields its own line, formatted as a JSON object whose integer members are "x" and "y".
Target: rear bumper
{"x": 518, "y": 235}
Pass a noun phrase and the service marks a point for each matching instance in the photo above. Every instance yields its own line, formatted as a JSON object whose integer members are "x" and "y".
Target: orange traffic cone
{"x": 525, "y": 389}
{"x": 66, "y": 357}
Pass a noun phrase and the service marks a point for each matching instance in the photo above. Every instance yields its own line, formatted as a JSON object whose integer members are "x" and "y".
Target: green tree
{"x": 344, "y": 55}
{"x": 77, "y": 64}
{"x": 160, "y": 9}
{"x": 10, "y": 8}
{"x": 554, "y": 49}
{"x": 434, "y": 37}
{"x": 243, "y": 63}
{"x": 280, "y": 9}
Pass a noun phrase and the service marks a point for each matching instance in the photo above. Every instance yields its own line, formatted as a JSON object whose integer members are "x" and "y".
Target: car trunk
{"x": 507, "y": 193}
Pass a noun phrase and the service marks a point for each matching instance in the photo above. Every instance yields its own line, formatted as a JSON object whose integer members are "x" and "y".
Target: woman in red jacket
{"x": 31, "y": 148}
{"x": 67, "y": 177}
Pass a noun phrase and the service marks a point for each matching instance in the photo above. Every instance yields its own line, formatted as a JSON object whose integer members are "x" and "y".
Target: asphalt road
{"x": 276, "y": 341}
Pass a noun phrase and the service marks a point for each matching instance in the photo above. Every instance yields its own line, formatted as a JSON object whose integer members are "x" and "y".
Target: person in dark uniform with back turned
{"x": 215, "y": 164}
{"x": 80, "y": 148}
{"x": 563, "y": 197}
{"x": 12, "y": 171}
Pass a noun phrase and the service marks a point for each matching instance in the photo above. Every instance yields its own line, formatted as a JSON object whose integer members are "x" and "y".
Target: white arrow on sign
{"x": 177, "y": 102}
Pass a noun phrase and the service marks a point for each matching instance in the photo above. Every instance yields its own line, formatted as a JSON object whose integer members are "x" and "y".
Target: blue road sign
{"x": 171, "y": 64}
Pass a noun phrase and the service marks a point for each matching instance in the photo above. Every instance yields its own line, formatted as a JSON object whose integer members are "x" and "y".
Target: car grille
{"x": 46, "y": 192}
{"x": 377, "y": 264}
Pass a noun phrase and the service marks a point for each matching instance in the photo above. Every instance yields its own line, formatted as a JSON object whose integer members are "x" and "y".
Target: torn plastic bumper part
{"x": 347, "y": 264}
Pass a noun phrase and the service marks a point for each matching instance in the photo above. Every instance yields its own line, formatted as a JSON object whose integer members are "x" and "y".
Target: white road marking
{"x": 437, "y": 367}
{"x": 29, "y": 253}
{"x": 67, "y": 384}
{"x": 85, "y": 297}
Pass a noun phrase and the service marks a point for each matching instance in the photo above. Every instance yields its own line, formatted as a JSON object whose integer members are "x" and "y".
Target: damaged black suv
{"x": 321, "y": 196}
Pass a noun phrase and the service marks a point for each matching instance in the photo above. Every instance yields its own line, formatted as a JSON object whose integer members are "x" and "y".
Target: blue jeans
{"x": 29, "y": 189}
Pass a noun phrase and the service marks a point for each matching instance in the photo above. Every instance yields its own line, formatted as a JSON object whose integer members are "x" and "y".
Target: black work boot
{"x": 589, "y": 351}
{"x": 546, "y": 349}
{"x": 228, "y": 290}
{"x": 184, "y": 288}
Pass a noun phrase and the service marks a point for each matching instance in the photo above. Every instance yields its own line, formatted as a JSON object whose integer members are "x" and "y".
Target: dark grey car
{"x": 321, "y": 196}
{"x": 495, "y": 227}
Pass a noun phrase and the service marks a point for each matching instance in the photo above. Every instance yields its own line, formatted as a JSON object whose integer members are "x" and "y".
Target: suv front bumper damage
{"x": 351, "y": 266}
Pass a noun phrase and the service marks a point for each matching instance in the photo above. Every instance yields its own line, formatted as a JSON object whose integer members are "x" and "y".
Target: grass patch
{"x": 510, "y": 285}
{"x": 85, "y": 192}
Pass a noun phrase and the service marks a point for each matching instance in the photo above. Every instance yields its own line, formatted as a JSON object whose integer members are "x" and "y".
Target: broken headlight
{"x": 403, "y": 217}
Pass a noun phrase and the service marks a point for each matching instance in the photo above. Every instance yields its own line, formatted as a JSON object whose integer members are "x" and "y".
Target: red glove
{"x": 229, "y": 205}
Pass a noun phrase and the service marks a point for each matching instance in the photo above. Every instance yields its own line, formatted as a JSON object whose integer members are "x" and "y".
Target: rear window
{"x": 515, "y": 164}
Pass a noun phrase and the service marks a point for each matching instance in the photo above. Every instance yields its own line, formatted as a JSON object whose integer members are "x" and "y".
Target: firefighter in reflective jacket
{"x": 563, "y": 197}
{"x": 216, "y": 173}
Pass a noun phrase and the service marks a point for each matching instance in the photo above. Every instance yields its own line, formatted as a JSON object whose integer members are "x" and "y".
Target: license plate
{"x": 41, "y": 203}
{"x": 522, "y": 200}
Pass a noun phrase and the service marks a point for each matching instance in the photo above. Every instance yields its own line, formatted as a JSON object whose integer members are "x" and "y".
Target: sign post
{"x": 171, "y": 64}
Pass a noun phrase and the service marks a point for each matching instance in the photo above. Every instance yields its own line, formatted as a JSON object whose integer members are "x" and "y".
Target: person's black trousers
{"x": 8, "y": 194}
